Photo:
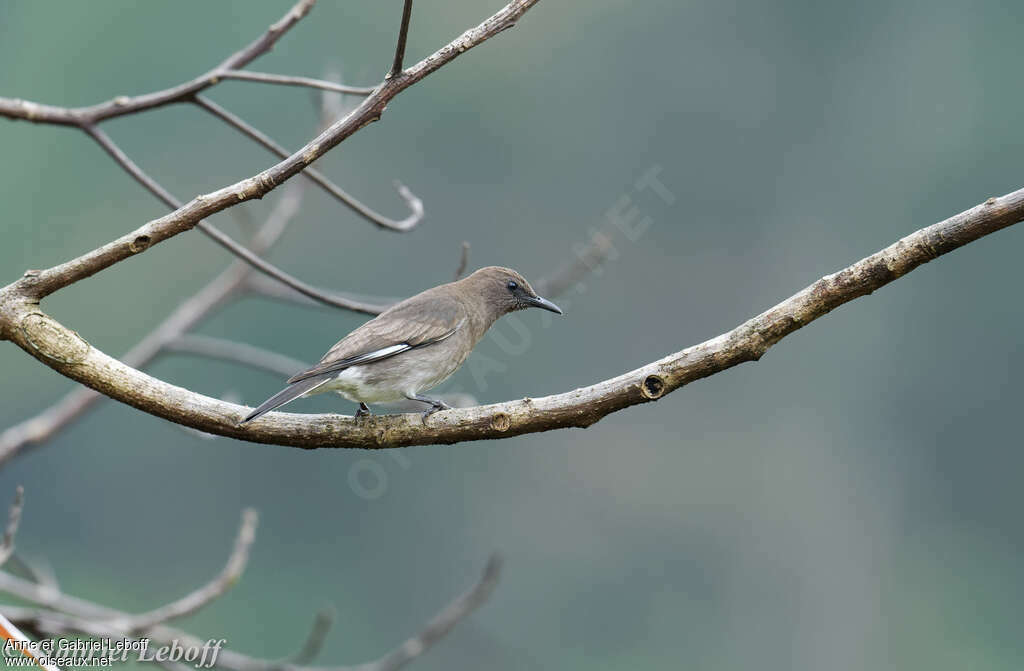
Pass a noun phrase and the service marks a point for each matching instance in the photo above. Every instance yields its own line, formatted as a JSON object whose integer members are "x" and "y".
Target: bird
{"x": 414, "y": 345}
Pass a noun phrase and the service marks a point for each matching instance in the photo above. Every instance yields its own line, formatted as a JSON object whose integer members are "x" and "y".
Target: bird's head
{"x": 506, "y": 291}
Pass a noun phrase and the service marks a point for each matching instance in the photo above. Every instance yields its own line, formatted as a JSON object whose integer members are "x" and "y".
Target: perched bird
{"x": 414, "y": 345}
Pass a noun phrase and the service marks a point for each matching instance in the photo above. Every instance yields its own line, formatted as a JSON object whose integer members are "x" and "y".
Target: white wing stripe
{"x": 379, "y": 353}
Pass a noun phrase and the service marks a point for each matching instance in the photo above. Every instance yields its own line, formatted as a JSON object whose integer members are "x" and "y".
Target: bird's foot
{"x": 435, "y": 405}
{"x": 363, "y": 412}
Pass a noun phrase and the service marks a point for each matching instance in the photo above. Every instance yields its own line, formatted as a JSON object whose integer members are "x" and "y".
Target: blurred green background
{"x": 852, "y": 501}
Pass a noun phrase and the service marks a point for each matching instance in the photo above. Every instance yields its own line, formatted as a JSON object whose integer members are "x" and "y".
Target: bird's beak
{"x": 543, "y": 303}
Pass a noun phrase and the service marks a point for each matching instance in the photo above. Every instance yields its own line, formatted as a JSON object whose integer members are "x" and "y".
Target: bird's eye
{"x": 512, "y": 286}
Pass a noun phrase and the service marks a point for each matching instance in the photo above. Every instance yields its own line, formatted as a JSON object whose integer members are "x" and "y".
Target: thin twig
{"x": 13, "y": 519}
{"x": 57, "y": 614}
{"x": 586, "y": 260}
{"x": 328, "y": 298}
{"x": 195, "y": 600}
{"x": 288, "y": 80}
{"x": 122, "y": 105}
{"x": 463, "y": 260}
{"x": 414, "y": 204}
{"x": 403, "y": 34}
{"x": 261, "y": 285}
{"x": 225, "y": 241}
{"x": 237, "y": 352}
{"x": 314, "y": 643}
{"x": 331, "y": 106}
{"x": 87, "y": 118}
{"x": 38, "y": 570}
{"x": 130, "y": 166}
{"x": 37, "y": 285}
{"x": 443, "y": 622}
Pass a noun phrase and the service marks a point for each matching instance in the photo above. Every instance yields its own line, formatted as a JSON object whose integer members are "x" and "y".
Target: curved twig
{"x": 414, "y": 204}
{"x": 39, "y": 284}
{"x": 198, "y": 598}
{"x": 66, "y": 352}
{"x": 236, "y": 352}
{"x": 314, "y": 643}
{"x": 225, "y": 241}
{"x": 58, "y": 613}
{"x": 443, "y": 622}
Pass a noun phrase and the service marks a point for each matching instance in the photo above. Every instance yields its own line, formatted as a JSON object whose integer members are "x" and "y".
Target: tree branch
{"x": 86, "y": 119}
{"x": 236, "y": 352}
{"x": 55, "y": 613}
{"x": 66, "y": 352}
{"x": 588, "y": 259}
{"x": 240, "y": 251}
{"x": 36, "y": 285}
{"x": 185, "y": 317}
{"x": 403, "y": 34}
{"x": 401, "y": 225}
{"x": 195, "y": 600}
{"x": 310, "y": 649}
{"x": 122, "y": 105}
{"x": 443, "y": 622}
{"x": 287, "y": 80}
{"x": 13, "y": 519}
{"x": 464, "y": 261}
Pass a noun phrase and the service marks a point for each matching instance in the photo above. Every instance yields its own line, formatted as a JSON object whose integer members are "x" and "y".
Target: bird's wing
{"x": 417, "y": 322}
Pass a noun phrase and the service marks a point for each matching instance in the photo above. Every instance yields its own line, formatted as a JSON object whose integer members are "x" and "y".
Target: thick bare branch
{"x": 185, "y": 317}
{"x": 65, "y": 351}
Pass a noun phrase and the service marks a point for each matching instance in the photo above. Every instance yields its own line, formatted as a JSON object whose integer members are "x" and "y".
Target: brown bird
{"x": 414, "y": 345}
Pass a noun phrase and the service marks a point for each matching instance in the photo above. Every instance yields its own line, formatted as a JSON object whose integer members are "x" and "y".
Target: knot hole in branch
{"x": 652, "y": 387}
{"x": 501, "y": 422}
{"x": 140, "y": 243}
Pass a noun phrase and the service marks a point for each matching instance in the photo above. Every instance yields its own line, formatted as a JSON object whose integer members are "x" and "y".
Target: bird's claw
{"x": 434, "y": 407}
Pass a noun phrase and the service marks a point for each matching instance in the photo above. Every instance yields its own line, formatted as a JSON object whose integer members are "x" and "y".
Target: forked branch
{"x": 50, "y": 612}
{"x": 87, "y": 119}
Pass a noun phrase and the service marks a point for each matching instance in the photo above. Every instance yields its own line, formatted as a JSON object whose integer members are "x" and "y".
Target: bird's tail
{"x": 289, "y": 393}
